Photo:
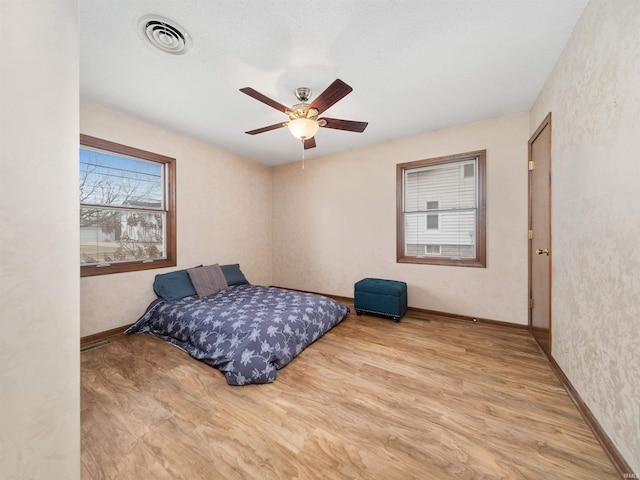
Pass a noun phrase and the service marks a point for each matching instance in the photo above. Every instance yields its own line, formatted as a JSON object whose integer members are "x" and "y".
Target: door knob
{"x": 543, "y": 251}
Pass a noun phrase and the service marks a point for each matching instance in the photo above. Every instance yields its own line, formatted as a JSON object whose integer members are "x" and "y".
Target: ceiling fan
{"x": 303, "y": 117}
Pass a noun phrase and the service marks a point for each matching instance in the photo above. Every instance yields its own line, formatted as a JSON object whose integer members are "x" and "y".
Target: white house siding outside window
{"x": 441, "y": 210}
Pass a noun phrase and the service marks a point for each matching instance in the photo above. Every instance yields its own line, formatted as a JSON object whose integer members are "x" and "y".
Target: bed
{"x": 248, "y": 332}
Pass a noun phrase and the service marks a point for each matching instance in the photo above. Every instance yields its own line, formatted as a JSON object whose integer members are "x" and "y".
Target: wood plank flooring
{"x": 371, "y": 399}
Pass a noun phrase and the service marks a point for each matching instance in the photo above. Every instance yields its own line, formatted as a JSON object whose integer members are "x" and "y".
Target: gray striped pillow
{"x": 207, "y": 280}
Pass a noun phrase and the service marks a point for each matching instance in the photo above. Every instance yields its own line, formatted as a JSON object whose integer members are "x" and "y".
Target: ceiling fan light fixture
{"x": 303, "y": 128}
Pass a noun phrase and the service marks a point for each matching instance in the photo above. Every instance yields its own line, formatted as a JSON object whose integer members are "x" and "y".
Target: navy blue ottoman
{"x": 381, "y": 297}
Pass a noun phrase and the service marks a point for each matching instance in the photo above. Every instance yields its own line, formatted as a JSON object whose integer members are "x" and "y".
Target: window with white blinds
{"x": 441, "y": 210}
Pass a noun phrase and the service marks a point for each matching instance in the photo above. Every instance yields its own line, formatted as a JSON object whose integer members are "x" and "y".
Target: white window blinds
{"x": 439, "y": 208}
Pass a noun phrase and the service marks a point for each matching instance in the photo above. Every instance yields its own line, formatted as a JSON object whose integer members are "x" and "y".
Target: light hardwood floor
{"x": 371, "y": 399}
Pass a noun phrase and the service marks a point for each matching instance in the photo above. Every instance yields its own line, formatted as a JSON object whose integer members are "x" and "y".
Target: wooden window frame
{"x": 480, "y": 260}
{"x": 170, "y": 200}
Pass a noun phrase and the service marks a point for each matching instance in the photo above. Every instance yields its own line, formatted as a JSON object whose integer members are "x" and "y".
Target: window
{"x": 432, "y": 249}
{"x": 127, "y": 208}
{"x": 441, "y": 210}
{"x": 469, "y": 170}
{"x": 432, "y": 222}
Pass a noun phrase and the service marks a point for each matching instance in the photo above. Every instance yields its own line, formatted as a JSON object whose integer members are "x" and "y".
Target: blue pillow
{"x": 173, "y": 285}
{"x": 233, "y": 275}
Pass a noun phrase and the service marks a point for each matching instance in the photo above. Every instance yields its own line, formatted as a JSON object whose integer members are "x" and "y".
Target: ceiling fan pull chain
{"x": 302, "y": 141}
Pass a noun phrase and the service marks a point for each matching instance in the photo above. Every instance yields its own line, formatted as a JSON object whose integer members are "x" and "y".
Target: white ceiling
{"x": 414, "y": 65}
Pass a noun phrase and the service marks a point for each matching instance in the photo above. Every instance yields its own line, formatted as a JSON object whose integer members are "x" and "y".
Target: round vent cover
{"x": 164, "y": 34}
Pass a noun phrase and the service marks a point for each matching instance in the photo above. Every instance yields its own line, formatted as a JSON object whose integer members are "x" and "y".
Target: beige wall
{"x": 223, "y": 215}
{"x": 594, "y": 96}
{"x": 335, "y": 222}
{"x": 39, "y": 284}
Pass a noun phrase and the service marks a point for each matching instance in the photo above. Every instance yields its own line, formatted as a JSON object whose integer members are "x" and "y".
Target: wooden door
{"x": 540, "y": 235}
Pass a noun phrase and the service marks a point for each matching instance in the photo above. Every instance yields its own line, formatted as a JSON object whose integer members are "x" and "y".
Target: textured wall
{"x": 335, "y": 222}
{"x": 594, "y": 96}
{"x": 223, "y": 215}
{"x": 39, "y": 284}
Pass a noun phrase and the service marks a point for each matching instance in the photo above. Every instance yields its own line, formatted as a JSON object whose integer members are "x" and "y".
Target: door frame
{"x": 546, "y": 122}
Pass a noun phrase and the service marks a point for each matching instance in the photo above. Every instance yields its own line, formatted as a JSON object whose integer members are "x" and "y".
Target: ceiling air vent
{"x": 164, "y": 34}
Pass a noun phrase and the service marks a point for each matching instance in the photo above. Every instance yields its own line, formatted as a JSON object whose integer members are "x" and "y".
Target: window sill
{"x": 448, "y": 261}
{"x": 94, "y": 270}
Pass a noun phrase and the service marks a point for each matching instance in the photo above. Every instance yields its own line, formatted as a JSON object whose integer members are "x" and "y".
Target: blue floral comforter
{"x": 246, "y": 331}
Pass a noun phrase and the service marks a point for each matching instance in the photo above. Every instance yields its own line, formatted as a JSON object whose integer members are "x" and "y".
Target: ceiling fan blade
{"x": 264, "y": 99}
{"x": 348, "y": 125}
{"x": 334, "y": 92}
{"x": 266, "y": 129}
{"x": 310, "y": 143}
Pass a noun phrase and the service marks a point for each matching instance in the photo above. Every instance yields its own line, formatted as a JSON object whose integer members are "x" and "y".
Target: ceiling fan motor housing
{"x": 303, "y": 94}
